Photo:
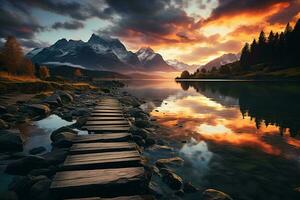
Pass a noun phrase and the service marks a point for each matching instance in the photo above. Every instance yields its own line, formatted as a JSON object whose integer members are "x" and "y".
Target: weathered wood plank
{"x": 105, "y": 118}
{"x": 111, "y": 137}
{"x": 138, "y": 197}
{"x": 107, "y": 114}
{"x": 98, "y": 147}
{"x": 106, "y": 111}
{"x": 115, "y": 122}
{"x": 99, "y": 182}
{"x": 107, "y": 129}
{"x": 102, "y": 160}
{"x": 109, "y": 107}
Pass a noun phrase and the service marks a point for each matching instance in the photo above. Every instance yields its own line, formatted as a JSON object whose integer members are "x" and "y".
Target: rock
{"x": 3, "y": 110}
{"x": 132, "y": 101}
{"x": 149, "y": 142}
{"x": 56, "y": 156}
{"x": 9, "y": 195}
{"x": 155, "y": 189}
{"x": 211, "y": 194}
{"x": 171, "y": 179}
{"x": 12, "y": 109}
{"x": 80, "y": 122}
{"x": 139, "y": 131}
{"x": 20, "y": 185}
{"x": 37, "y": 150}
{"x": 40, "y": 109}
{"x": 142, "y": 123}
{"x": 25, "y": 165}
{"x": 138, "y": 140}
{"x": 137, "y": 113}
{"x": 63, "y": 139}
{"x": 189, "y": 188}
{"x": 53, "y": 100}
{"x": 40, "y": 190}
{"x": 65, "y": 96}
{"x": 49, "y": 172}
{"x": 67, "y": 116}
{"x": 81, "y": 112}
{"x": 60, "y": 130}
{"x": 179, "y": 193}
{"x": 3, "y": 125}
{"x": 8, "y": 117}
{"x": 164, "y": 162}
{"x": 9, "y": 141}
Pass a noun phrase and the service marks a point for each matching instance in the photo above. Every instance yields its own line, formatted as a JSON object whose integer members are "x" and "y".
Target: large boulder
{"x": 211, "y": 194}
{"x": 137, "y": 113}
{"x": 25, "y": 165}
{"x": 10, "y": 141}
{"x": 40, "y": 109}
{"x": 56, "y": 156}
{"x": 60, "y": 130}
{"x": 3, "y": 125}
{"x": 66, "y": 97}
{"x": 53, "y": 100}
{"x": 174, "y": 181}
{"x": 40, "y": 190}
{"x": 63, "y": 139}
{"x": 165, "y": 162}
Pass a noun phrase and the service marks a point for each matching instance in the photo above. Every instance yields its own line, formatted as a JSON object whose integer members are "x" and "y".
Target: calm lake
{"x": 242, "y": 138}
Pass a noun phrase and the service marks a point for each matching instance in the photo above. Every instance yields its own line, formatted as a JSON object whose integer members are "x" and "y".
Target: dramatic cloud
{"x": 73, "y": 25}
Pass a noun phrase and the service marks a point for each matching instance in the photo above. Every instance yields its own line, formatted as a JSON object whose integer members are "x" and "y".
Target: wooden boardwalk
{"x": 105, "y": 164}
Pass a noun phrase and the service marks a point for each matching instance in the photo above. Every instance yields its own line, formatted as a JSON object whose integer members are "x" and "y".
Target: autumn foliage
{"x": 77, "y": 73}
{"x": 44, "y": 72}
{"x": 13, "y": 61}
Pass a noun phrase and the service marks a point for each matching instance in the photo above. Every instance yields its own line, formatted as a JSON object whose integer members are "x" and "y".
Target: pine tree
{"x": 253, "y": 53}
{"x": 245, "y": 57}
{"x": 261, "y": 48}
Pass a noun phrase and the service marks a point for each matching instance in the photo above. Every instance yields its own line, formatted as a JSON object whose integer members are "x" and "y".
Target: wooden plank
{"x": 111, "y": 137}
{"x": 106, "y": 111}
{"x": 109, "y": 107}
{"x": 107, "y": 114}
{"x": 102, "y": 160}
{"x": 105, "y": 118}
{"x": 80, "y": 148}
{"x": 100, "y": 182}
{"x": 137, "y": 197}
{"x": 115, "y": 122}
{"x": 109, "y": 129}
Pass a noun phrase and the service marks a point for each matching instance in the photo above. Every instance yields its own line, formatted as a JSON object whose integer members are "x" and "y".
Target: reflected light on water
{"x": 212, "y": 121}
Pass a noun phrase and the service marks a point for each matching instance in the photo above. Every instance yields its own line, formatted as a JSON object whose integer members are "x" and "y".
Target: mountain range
{"x": 222, "y": 60}
{"x": 99, "y": 53}
{"x": 181, "y": 66}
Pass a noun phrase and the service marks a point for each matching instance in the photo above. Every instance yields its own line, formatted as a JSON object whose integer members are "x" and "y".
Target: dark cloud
{"x": 285, "y": 15}
{"x": 17, "y": 23}
{"x": 148, "y": 18}
{"x": 75, "y": 9}
{"x": 73, "y": 25}
{"x": 232, "y": 7}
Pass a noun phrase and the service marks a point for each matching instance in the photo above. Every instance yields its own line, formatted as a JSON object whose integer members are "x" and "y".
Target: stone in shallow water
{"x": 10, "y": 141}
{"x": 3, "y": 124}
{"x": 171, "y": 179}
{"x": 189, "y": 188}
{"x": 25, "y": 165}
{"x": 40, "y": 109}
{"x": 212, "y": 194}
{"x": 164, "y": 162}
{"x": 37, "y": 150}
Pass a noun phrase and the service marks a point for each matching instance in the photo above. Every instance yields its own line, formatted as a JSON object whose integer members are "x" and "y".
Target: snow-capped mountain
{"x": 152, "y": 61}
{"x": 99, "y": 53}
{"x": 181, "y": 66}
{"x": 222, "y": 60}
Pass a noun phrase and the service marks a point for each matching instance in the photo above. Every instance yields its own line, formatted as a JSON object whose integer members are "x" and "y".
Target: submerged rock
{"x": 211, "y": 194}
{"x": 63, "y": 139}
{"x": 37, "y": 150}
{"x": 10, "y": 141}
{"x": 189, "y": 188}
{"x": 25, "y": 165}
{"x": 164, "y": 162}
{"x": 3, "y": 125}
{"x": 171, "y": 179}
{"x": 40, "y": 109}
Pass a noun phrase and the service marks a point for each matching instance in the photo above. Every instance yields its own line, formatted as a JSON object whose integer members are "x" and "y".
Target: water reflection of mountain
{"x": 272, "y": 102}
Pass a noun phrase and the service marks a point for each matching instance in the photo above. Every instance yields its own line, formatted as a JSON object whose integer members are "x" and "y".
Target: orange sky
{"x": 200, "y": 41}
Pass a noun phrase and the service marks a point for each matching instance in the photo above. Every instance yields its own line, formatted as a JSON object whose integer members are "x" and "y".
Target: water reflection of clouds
{"x": 190, "y": 114}
{"x": 196, "y": 153}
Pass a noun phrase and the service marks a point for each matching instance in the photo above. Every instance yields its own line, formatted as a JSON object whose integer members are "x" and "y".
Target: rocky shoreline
{"x": 33, "y": 171}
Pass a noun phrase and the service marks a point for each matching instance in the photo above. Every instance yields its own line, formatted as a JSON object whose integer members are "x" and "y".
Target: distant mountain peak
{"x": 102, "y": 39}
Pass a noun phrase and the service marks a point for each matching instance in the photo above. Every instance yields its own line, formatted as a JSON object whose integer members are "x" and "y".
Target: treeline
{"x": 266, "y": 54}
{"x": 278, "y": 50}
{"x": 14, "y": 63}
